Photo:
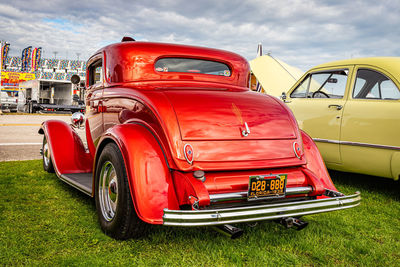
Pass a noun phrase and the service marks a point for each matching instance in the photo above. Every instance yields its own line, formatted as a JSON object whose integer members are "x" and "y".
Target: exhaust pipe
{"x": 229, "y": 230}
{"x": 290, "y": 222}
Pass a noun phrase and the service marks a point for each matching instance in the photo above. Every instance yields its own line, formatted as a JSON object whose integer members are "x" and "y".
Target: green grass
{"x": 45, "y": 222}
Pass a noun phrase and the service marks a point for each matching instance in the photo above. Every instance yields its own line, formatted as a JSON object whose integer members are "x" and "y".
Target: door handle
{"x": 338, "y": 107}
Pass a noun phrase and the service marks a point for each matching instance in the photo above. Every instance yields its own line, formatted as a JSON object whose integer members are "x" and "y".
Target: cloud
{"x": 302, "y": 33}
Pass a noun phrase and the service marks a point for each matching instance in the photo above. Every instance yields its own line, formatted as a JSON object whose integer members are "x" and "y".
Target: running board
{"x": 81, "y": 181}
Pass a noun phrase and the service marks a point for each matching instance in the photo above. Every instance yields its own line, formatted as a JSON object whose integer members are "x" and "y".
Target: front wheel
{"x": 114, "y": 204}
{"x": 46, "y": 156}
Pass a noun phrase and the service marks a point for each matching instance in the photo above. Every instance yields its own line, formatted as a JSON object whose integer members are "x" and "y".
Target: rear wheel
{"x": 114, "y": 204}
{"x": 46, "y": 155}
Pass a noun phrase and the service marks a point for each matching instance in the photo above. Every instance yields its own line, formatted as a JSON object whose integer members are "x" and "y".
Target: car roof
{"x": 391, "y": 64}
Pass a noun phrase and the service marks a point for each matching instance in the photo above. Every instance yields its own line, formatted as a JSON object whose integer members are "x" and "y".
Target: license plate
{"x": 267, "y": 186}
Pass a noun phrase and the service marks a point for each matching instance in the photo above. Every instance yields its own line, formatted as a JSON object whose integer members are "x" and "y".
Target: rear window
{"x": 192, "y": 66}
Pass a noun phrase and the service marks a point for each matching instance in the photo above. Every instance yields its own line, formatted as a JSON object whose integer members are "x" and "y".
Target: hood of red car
{"x": 223, "y": 115}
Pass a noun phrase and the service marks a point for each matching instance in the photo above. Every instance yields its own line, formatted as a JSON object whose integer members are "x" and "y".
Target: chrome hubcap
{"x": 108, "y": 190}
{"x": 46, "y": 154}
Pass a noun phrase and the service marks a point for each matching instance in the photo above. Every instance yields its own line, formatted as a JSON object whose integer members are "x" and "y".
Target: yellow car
{"x": 351, "y": 108}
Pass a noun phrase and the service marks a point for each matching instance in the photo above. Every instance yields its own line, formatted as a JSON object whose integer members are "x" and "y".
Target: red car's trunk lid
{"x": 221, "y": 115}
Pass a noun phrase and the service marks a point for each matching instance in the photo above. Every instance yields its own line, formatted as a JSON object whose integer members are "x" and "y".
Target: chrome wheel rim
{"x": 108, "y": 190}
{"x": 46, "y": 153}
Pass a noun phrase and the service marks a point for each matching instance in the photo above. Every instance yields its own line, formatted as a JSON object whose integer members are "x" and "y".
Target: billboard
{"x": 12, "y": 79}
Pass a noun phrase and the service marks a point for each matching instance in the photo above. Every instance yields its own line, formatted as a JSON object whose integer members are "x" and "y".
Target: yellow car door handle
{"x": 338, "y": 107}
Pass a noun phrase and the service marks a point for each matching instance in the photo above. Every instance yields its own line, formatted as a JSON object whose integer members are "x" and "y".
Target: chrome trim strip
{"x": 243, "y": 195}
{"x": 258, "y": 212}
{"x": 326, "y": 141}
{"x": 355, "y": 144}
{"x": 369, "y": 145}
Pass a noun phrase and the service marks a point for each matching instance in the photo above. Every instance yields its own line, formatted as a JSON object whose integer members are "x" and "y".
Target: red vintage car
{"x": 175, "y": 137}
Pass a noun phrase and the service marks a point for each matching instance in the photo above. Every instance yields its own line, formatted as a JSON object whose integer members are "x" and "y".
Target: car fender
{"x": 315, "y": 167}
{"x": 68, "y": 153}
{"x": 147, "y": 169}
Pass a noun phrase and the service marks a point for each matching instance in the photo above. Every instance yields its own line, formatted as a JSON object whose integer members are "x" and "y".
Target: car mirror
{"x": 75, "y": 79}
{"x": 332, "y": 80}
{"x": 283, "y": 97}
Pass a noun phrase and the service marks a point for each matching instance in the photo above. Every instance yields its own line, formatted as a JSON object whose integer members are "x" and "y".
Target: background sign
{"x": 12, "y": 79}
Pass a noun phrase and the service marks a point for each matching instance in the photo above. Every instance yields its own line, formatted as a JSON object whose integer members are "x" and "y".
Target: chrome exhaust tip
{"x": 290, "y": 222}
{"x": 229, "y": 230}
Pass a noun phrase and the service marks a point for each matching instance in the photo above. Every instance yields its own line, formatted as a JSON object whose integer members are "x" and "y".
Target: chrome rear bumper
{"x": 258, "y": 212}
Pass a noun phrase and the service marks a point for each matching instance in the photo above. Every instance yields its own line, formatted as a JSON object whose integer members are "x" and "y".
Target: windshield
{"x": 192, "y": 66}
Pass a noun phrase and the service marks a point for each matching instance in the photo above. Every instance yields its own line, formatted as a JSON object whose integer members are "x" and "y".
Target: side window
{"x": 389, "y": 90}
{"x": 360, "y": 82}
{"x": 95, "y": 72}
{"x": 327, "y": 84}
{"x": 374, "y": 85}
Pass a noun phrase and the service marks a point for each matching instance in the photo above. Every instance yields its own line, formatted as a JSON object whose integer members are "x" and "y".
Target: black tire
{"x": 46, "y": 157}
{"x": 114, "y": 205}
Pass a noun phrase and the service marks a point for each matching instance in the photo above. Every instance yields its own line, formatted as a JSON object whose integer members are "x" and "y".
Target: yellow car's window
{"x": 327, "y": 84}
{"x": 374, "y": 85}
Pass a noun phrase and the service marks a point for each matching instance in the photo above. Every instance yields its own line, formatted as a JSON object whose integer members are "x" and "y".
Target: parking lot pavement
{"x": 19, "y": 138}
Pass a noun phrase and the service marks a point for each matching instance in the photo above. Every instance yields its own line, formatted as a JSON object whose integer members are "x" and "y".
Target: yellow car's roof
{"x": 390, "y": 64}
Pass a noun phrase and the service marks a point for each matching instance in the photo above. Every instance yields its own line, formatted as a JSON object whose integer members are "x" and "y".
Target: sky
{"x": 301, "y": 33}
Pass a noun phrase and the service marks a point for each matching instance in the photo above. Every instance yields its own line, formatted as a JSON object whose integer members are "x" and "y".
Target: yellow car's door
{"x": 370, "y": 132}
{"x": 318, "y": 101}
